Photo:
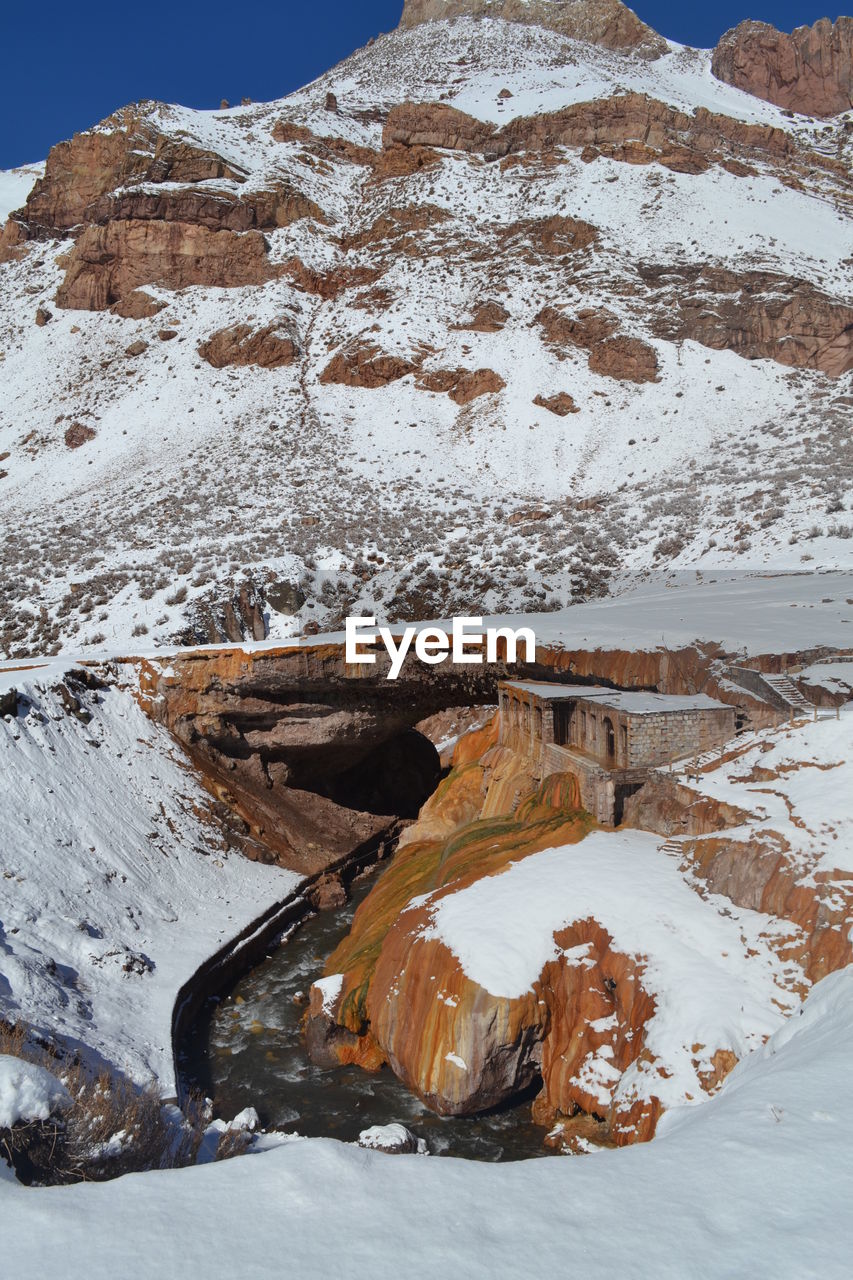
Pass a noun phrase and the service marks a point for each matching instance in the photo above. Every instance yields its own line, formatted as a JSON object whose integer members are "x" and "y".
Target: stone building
{"x": 609, "y": 738}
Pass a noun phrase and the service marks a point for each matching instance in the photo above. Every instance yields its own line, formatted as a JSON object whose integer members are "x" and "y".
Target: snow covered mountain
{"x": 515, "y": 300}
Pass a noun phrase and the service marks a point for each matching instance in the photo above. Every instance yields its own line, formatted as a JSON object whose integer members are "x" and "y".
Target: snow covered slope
{"x": 141, "y": 484}
{"x": 116, "y": 882}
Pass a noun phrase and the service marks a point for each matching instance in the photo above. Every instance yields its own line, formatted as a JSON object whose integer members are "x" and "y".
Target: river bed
{"x": 247, "y": 1049}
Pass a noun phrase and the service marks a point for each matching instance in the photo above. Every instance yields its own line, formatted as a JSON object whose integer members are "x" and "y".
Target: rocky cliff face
{"x": 810, "y": 70}
{"x": 470, "y": 336}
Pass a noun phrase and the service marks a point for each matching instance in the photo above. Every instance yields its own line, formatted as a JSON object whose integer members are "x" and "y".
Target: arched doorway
{"x": 609, "y": 738}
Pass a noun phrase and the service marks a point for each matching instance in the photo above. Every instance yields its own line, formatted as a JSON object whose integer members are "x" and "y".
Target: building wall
{"x": 528, "y": 724}
{"x": 660, "y": 738}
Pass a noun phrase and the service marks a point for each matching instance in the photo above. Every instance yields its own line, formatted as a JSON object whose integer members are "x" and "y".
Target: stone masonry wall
{"x": 659, "y": 738}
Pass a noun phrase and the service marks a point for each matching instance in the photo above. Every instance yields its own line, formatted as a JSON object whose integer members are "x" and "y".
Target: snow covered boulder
{"x": 28, "y": 1092}
{"x": 393, "y": 1139}
{"x": 31, "y": 1101}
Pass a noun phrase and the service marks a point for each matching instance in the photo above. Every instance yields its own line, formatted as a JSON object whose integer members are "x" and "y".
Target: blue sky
{"x": 68, "y": 65}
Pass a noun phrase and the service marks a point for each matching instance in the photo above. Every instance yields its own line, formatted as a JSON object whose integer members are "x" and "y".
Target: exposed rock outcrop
{"x": 462, "y": 385}
{"x": 628, "y": 359}
{"x": 605, "y": 22}
{"x": 631, "y": 127}
{"x": 270, "y": 347}
{"x": 123, "y": 149}
{"x": 488, "y": 317}
{"x": 328, "y": 284}
{"x": 78, "y": 434}
{"x": 137, "y": 305}
{"x": 366, "y": 365}
{"x": 756, "y": 314}
{"x": 554, "y": 236}
{"x": 394, "y": 227}
{"x": 611, "y": 354}
{"x": 109, "y": 262}
{"x": 561, "y": 403}
{"x": 217, "y": 210}
{"x": 583, "y": 329}
{"x": 810, "y": 70}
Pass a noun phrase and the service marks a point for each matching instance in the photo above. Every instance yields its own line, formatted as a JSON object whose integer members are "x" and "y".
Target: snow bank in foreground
{"x": 756, "y": 1182}
{"x": 28, "y": 1092}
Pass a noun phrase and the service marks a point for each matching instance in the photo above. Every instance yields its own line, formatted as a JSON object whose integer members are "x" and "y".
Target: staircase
{"x": 789, "y": 692}
{"x": 672, "y": 847}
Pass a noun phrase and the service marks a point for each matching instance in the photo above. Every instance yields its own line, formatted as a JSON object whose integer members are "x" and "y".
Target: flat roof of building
{"x": 635, "y": 702}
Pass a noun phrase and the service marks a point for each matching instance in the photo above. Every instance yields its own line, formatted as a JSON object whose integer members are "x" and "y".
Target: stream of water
{"x": 247, "y": 1049}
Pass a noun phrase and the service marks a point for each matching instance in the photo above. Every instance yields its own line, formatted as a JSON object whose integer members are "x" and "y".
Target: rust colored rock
{"x": 122, "y": 149}
{"x": 606, "y": 126}
{"x": 628, "y": 359}
{"x": 218, "y": 210}
{"x": 403, "y": 161}
{"x": 810, "y": 70}
{"x": 13, "y": 240}
{"x": 109, "y": 262}
{"x": 435, "y": 124}
{"x": 328, "y": 284}
{"x": 587, "y": 327}
{"x": 366, "y": 366}
{"x": 327, "y": 148}
{"x": 329, "y": 1044}
{"x": 396, "y": 224}
{"x": 754, "y": 313}
{"x": 166, "y": 335}
{"x": 271, "y": 347}
{"x": 604, "y": 22}
{"x": 137, "y": 305}
{"x": 136, "y": 348}
{"x": 562, "y": 403}
{"x": 43, "y": 317}
{"x": 78, "y": 434}
{"x": 462, "y": 385}
{"x": 555, "y": 236}
{"x": 489, "y": 317}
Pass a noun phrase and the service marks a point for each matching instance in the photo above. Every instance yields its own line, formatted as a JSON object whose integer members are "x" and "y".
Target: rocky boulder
{"x": 78, "y": 434}
{"x": 270, "y": 347}
{"x": 809, "y": 71}
{"x": 488, "y": 317}
{"x": 462, "y": 385}
{"x": 393, "y": 1139}
{"x": 561, "y": 403}
{"x": 628, "y": 359}
{"x": 366, "y": 365}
